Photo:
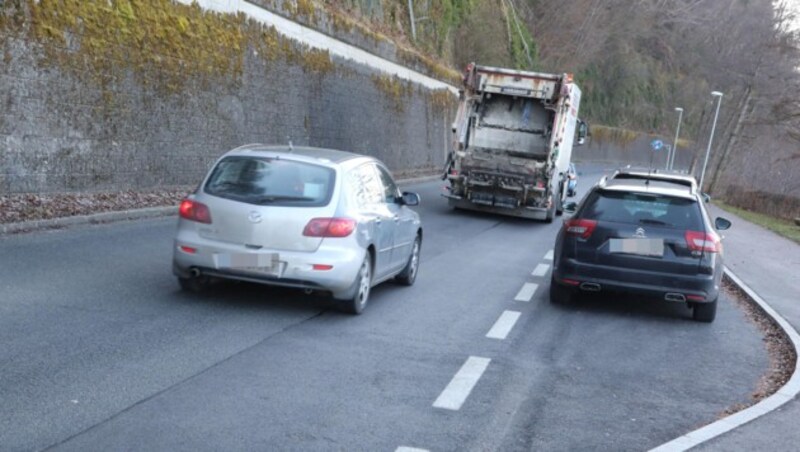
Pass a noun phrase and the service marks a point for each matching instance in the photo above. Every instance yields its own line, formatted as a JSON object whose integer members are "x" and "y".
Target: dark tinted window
{"x": 642, "y": 208}
{"x": 271, "y": 182}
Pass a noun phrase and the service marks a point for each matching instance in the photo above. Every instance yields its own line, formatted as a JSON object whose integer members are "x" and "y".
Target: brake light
{"x": 329, "y": 227}
{"x": 194, "y": 211}
{"x": 580, "y": 227}
{"x": 703, "y": 241}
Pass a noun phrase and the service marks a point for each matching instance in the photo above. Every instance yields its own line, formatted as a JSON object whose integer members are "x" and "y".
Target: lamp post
{"x": 718, "y": 95}
{"x": 671, "y": 162}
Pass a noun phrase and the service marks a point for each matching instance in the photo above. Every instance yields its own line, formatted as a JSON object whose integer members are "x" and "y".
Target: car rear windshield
{"x": 643, "y": 208}
{"x": 271, "y": 181}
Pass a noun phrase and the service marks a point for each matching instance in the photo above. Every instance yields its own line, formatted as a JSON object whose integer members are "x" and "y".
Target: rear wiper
{"x": 656, "y": 222}
{"x": 274, "y": 198}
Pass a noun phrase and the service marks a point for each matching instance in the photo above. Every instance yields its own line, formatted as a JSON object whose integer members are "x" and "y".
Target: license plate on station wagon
{"x": 642, "y": 247}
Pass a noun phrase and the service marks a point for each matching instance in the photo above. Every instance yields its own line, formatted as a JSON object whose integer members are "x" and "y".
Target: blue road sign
{"x": 656, "y": 144}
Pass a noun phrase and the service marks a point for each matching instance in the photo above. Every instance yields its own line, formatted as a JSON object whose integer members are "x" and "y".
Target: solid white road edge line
{"x": 457, "y": 391}
{"x": 410, "y": 449}
{"x": 503, "y": 325}
{"x": 784, "y": 394}
{"x": 527, "y": 291}
{"x": 549, "y": 255}
{"x": 540, "y": 270}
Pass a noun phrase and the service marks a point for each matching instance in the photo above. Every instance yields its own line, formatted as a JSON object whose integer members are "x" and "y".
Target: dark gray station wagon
{"x": 641, "y": 233}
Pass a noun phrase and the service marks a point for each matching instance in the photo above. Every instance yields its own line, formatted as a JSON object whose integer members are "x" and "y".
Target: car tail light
{"x": 703, "y": 241}
{"x": 329, "y": 227}
{"x": 570, "y": 282}
{"x": 580, "y": 227}
{"x": 195, "y": 211}
{"x": 188, "y": 249}
{"x": 321, "y": 267}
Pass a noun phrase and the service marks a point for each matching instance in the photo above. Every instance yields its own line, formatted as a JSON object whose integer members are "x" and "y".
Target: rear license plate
{"x": 643, "y": 247}
{"x": 263, "y": 263}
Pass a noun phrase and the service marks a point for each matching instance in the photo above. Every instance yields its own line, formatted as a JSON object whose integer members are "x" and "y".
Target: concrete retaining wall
{"x": 68, "y": 126}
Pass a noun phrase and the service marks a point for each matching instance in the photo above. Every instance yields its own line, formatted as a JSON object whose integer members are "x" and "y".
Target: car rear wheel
{"x": 560, "y": 294}
{"x": 409, "y": 273}
{"x": 363, "y": 284}
{"x": 705, "y": 312}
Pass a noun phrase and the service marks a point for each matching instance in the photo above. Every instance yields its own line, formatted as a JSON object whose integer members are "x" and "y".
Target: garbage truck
{"x": 512, "y": 142}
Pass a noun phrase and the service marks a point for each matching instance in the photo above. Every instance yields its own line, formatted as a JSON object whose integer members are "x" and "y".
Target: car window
{"x": 364, "y": 183}
{"x": 390, "y": 191}
{"x": 643, "y": 208}
{"x": 267, "y": 181}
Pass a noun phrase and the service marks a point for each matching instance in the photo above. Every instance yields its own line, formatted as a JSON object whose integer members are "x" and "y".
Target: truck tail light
{"x": 580, "y": 227}
{"x": 329, "y": 227}
{"x": 194, "y": 211}
{"x": 703, "y": 241}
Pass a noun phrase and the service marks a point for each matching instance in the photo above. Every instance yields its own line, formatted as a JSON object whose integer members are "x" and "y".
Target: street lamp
{"x": 671, "y": 162}
{"x": 718, "y": 95}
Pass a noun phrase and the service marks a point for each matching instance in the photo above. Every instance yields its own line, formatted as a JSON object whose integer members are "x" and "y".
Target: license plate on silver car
{"x": 266, "y": 262}
{"x": 643, "y": 247}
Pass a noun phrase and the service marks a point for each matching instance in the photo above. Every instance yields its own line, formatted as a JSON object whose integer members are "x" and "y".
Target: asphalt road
{"x": 101, "y": 351}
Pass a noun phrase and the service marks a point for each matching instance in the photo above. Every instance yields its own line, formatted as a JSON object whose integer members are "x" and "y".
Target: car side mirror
{"x": 722, "y": 224}
{"x": 706, "y": 197}
{"x": 570, "y": 207}
{"x": 410, "y": 199}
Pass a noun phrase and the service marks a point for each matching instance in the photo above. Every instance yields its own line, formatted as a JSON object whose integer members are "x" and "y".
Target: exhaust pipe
{"x": 678, "y": 297}
{"x": 195, "y": 272}
{"x": 590, "y": 287}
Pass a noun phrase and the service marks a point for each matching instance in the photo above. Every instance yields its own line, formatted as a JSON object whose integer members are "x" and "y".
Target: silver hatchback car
{"x": 309, "y": 218}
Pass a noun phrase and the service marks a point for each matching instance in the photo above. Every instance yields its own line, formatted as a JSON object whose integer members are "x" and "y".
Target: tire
{"x": 363, "y": 284}
{"x": 409, "y": 273}
{"x": 560, "y": 294}
{"x": 705, "y": 312}
{"x": 194, "y": 285}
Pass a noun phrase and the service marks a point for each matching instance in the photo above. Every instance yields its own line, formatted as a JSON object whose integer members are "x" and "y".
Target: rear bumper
{"x": 646, "y": 283}
{"x": 533, "y": 213}
{"x": 296, "y": 268}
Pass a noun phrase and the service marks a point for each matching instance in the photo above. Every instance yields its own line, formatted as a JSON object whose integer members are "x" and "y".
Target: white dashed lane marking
{"x": 457, "y": 391}
{"x": 503, "y": 325}
{"x": 549, "y": 255}
{"x": 527, "y": 291}
{"x": 410, "y": 449}
{"x": 540, "y": 270}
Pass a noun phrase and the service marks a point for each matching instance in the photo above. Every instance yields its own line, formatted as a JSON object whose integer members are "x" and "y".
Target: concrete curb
{"x": 786, "y": 393}
{"x": 123, "y": 215}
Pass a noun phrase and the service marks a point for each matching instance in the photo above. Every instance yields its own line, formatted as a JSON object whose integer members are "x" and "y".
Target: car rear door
{"x": 405, "y": 230}
{"x": 370, "y": 198}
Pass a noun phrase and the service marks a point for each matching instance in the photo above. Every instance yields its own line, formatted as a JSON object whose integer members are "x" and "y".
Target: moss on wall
{"x": 395, "y": 89}
{"x": 160, "y": 42}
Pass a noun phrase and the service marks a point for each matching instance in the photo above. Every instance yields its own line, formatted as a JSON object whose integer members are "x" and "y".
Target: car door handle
{"x": 377, "y": 221}
{"x": 396, "y": 218}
